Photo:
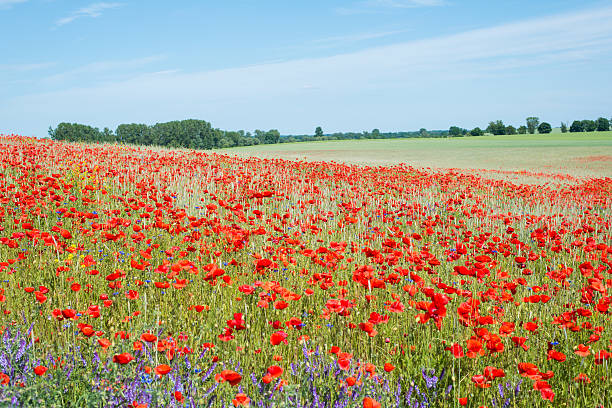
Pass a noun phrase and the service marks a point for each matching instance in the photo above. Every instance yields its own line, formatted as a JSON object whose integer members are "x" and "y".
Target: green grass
{"x": 579, "y": 154}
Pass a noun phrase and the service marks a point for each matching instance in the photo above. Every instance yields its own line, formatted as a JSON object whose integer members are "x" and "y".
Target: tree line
{"x": 190, "y": 133}
{"x": 533, "y": 124}
{"x": 199, "y": 134}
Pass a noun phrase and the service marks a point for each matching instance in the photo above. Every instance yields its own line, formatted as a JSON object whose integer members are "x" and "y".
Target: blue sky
{"x": 348, "y": 65}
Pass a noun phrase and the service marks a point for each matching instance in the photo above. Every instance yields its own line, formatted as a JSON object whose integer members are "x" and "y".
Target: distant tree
{"x": 376, "y": 134}
{"x": 603, "y": 124}
{"x": 423, "y": 132}
{"x": 476, "y": 132}
{"x": 544, "y": 128}
{"x": 532, "y": 124}
{"x": 75, "y": 132}
{"x": 318, "y": 132}
{"x": 563, "y": 127}
{"x": 137, "y": 133}
{"x": 576, "y": 126}
{"x": 497, "y": 128}
{"x": 272, "y": 136}
{"x": 455, "y": 131}
{"x": 510, "y": 130}
{"x": 589, "y": 125}
{"x": 107, "y": 135}
{"x": 522, "y": 130}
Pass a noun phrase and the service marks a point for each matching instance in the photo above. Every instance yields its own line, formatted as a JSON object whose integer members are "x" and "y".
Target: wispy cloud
{"x": 343, "y": 39}
{"x": 93, "y": 10}
{"x": 368, "y": 6}
{"x": 516, "y": 67}
{"x": 97, "y": 68}
{"x": 7, "y": 4}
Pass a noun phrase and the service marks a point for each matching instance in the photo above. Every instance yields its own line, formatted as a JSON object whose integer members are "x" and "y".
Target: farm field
{"x": 577, "y": 154}
{"x": 147, "y": 277}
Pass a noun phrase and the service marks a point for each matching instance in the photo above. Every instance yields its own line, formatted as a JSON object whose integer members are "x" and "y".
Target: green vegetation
{"x": 544, "y": 128}
{"x": 580, "y": 154}
{"x": 199, "y": 134}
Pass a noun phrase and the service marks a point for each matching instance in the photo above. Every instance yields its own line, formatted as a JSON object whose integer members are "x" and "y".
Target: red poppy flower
{"x": 370, "y": 403}
{"x": 123, "y": 358}
{"x": 456, "y": 349}
{"x": 241, "y": 400}
{"x": 40, "y": 370}
{"x": 178, "y": 396}
{"x": 163, "y": 369}
{"x": 275, "y": 371}
{"x": 230, "y": 376}
{"x": 278, "y": 337}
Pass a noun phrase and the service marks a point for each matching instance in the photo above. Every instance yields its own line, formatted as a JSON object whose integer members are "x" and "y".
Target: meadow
{"x": 146, "y": 277}
{"x": 579, "y": 154}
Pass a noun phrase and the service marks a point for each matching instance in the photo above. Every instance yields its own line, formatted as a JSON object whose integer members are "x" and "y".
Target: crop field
{"x": 577, "y": 154}
{"x": 139, "y": 277}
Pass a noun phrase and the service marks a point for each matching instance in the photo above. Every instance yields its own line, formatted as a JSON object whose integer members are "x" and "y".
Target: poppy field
{"x": 143, "y": 277}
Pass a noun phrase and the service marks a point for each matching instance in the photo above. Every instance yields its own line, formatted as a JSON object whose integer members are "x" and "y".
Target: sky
{"x": 344, "y": 65}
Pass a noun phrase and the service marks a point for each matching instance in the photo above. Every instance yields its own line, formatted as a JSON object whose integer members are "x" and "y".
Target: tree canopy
{"x": 544, "y": 128}
{"x": 497, "y": 128}
{"x": 532, "y": 124}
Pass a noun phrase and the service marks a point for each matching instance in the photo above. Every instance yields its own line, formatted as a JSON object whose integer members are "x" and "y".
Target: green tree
{"x": 75, "y": 132}
{"x": 272, "y": 136}
{"x": 544, "y": 128}
{"x": 318, "y": 132}
{"x": 603, "y": 124}
{"x": 589, "y": 125}
{"x": 137, "y": 133}
{"x": 107, "y": 135}
{"x": 576, "y": 126}
{"x": 455, "y": 131}
{"x": 423, "y": 132}
{"x": 563, "y": 127}
{"x": 376, "y": 134}
{"x": 532, "y": 124}
{"x": 497, "y": 128}
{"x": 510, "y": 130}
{"x": 522, "y": 130}
{"x": 476, "y": 132}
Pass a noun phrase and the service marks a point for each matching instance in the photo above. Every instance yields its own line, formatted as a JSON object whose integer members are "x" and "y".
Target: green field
{"x": 578, "y": 154}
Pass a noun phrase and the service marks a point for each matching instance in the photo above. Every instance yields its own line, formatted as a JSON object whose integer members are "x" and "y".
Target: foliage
{"x": 603, "y": 124}
{"x": 544, "y": 128}
{"x": 532, "y": 124}
{"x": 476, "y": 132}
{"x": 589, "y": 125}
{"x": 497, "y": 128}
{"x": 456, "y": 131}
{"x": 577, "y": 126}
{"x": 563, "y": 127}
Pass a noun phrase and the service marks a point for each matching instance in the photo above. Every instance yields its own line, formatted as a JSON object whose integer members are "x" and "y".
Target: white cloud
{"x": 99, "y": 67}
{"x": 93, "y": 10}
{"x": 465, "y": 74}
{"x": 7, "y": 4}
